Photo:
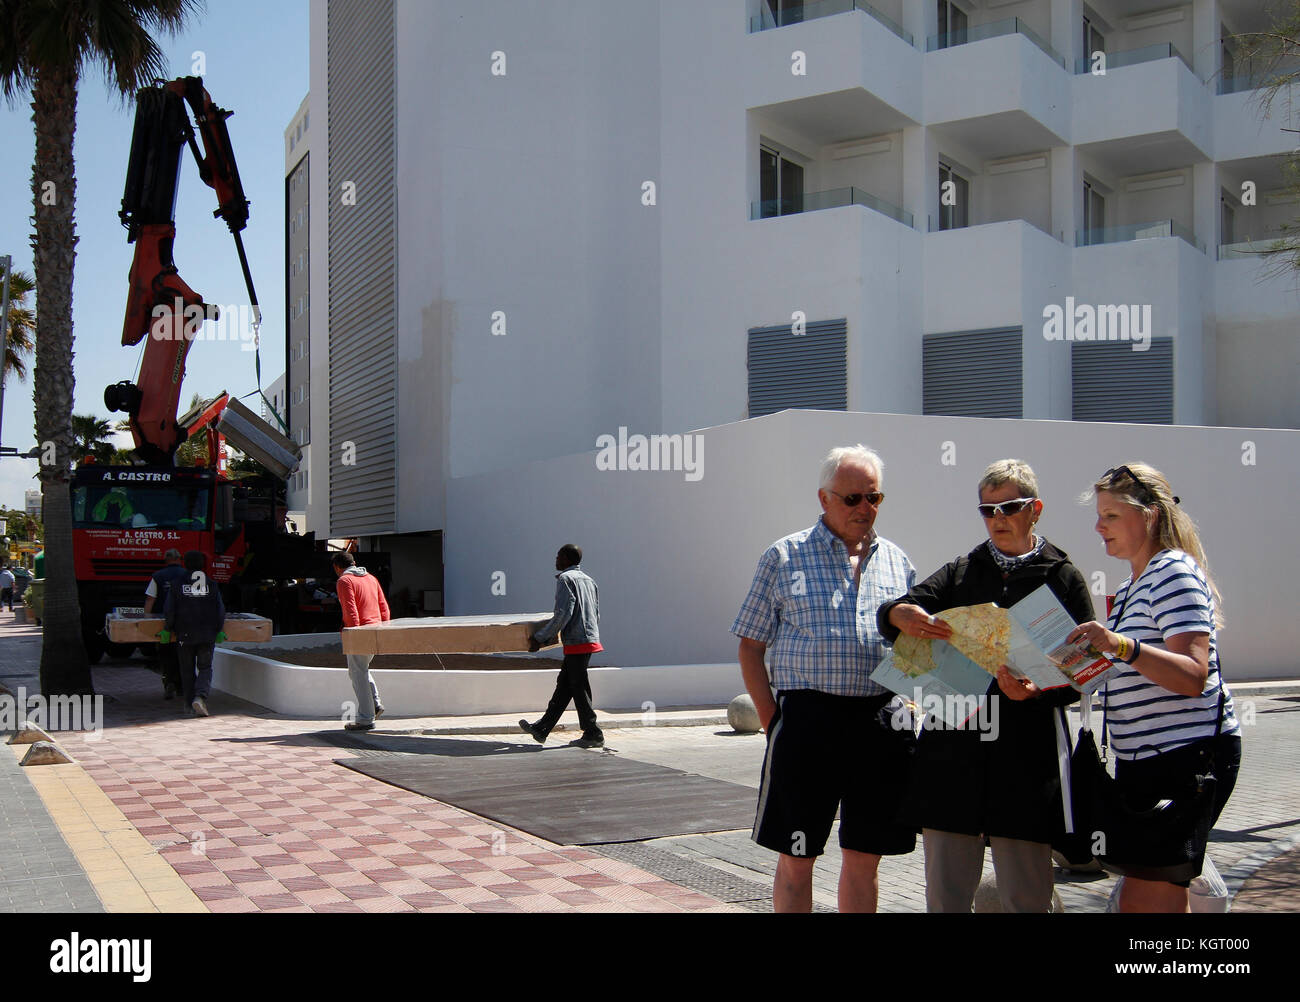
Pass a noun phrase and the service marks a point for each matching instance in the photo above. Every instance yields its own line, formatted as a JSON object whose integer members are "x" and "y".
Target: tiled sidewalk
{"x": 38, "y": 871}
{"x": 255, "y": 816}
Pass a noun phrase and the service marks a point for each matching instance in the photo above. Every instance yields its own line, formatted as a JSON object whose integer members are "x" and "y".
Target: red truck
{"x": 126, "y": 517}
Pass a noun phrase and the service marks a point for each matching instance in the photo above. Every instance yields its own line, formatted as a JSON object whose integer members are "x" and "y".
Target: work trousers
{"x": 954, "y": 864}
{"x": 7, "y": 598}
{"x": 363, "y": 687}
{"x": 572, "y": 684}
{"x": 196, "y": 670}
{"x": 169, "y": 665}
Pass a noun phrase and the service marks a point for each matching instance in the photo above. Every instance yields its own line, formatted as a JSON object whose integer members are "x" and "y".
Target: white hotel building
{"x": 534, "y": 224}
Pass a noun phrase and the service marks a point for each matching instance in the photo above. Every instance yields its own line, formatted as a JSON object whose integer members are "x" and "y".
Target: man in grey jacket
{"x": 577, "y": 622}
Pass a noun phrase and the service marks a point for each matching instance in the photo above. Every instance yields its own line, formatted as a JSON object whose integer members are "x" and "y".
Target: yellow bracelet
{"x": 1121, "y": 645}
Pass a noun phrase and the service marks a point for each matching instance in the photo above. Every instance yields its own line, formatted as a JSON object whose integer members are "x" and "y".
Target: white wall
{"x": 673, "y": 559}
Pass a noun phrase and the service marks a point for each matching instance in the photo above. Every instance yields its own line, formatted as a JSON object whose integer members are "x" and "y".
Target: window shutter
{"x": 973, "y": 373}
{"x": 1112, "y": 382}
{"x": 362, "y": 269}
{"x": 807, "y": 371}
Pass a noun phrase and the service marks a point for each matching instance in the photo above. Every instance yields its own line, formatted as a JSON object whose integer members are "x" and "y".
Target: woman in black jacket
{"x": 1001, "y": 782}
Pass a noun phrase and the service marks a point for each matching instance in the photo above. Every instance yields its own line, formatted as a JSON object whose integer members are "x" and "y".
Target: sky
{"x": 256, "y": 64}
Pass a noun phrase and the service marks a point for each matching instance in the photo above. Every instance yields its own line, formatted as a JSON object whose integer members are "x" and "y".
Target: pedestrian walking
{"x": 362, "y": 603}
{"x": 577, "y": 623}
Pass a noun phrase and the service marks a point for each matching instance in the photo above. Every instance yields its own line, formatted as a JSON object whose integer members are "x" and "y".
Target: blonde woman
{"x": 1168, "y": 712}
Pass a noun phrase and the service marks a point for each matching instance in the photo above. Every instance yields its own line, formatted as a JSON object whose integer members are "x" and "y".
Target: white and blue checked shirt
{"x": 819, "y": 627}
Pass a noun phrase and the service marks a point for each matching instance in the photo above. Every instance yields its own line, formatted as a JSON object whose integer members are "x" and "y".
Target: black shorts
{"x": 1172, "y": 775}
{"x": 824, "y": 752}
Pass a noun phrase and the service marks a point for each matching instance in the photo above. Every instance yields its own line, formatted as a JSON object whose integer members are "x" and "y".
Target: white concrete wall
{"x": 253, "y": 673}
{"x": 673, "y": 559}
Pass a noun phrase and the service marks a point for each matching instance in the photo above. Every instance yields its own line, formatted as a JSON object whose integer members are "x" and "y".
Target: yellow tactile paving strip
{"x": 125, "y": 870}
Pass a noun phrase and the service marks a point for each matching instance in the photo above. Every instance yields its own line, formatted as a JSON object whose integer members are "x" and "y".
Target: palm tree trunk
{"x": 64, "y": 667}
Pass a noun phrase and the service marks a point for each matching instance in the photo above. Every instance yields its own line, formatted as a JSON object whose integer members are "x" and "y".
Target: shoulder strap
{"x": 1105, "y": 692}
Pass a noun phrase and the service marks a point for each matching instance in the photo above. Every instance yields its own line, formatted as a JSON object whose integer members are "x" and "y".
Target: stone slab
{"x": 134, "y": 628}
{"x": 497, "y": 634}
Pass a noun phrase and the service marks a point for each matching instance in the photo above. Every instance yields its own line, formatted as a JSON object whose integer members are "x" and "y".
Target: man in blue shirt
{"x": 812, "y": 610}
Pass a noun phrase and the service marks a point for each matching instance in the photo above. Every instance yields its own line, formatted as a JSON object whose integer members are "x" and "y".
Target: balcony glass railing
{"x": 1146, "y": 54}
{"x": 1137, "y": 231}
{"x": 824, "y": 8}
{"x": 1254, "y": 249}
{"x": 1244, "y": 78}
{"x": 994, "y": 29}
{"x": 811, "y": 201}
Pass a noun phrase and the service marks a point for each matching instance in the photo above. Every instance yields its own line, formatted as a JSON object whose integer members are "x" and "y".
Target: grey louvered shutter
{"x": 807, "y": 371}
{"x": 973, "y": 373}
{"x": 1112, "y": 382}
{"x": 362, "y": 269}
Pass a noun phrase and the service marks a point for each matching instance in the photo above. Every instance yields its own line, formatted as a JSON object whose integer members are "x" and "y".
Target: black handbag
{"x": 1165, "y": 841}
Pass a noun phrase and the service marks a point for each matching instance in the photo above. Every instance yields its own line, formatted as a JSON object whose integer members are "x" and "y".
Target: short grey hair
{"x": 858, "y": 454}
{"x": 1011, "y": 471}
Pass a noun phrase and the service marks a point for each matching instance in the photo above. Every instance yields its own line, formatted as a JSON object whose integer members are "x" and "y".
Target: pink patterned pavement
{"x": 254, "y": 815}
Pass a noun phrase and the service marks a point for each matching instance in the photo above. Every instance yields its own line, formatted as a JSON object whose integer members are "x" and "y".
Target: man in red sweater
{"x": 362, "y": 601}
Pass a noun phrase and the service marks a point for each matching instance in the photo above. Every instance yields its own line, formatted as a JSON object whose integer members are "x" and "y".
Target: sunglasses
{"x": 1007, "y": 508}
{"x": 1118, "y": 472}
{"x": 872, "y": 498}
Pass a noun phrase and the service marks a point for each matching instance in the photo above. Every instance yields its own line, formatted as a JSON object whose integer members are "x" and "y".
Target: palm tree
{"x": 21, "y": 328}
{"x": 92, "y": 436}
{"x": 44, "y": 47}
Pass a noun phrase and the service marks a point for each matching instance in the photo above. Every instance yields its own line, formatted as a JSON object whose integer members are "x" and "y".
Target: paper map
{"x": 1029, "y": 638}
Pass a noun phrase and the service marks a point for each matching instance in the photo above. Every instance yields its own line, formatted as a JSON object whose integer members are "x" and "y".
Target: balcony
{"x": 825, "y": 8}
{"x": 994, "y": 29}
{"x": 1271, "y": 247}
{"x": 1146, "y": 54}
{"x": 1137, "y": 231}
{"x": 834, "y": 198}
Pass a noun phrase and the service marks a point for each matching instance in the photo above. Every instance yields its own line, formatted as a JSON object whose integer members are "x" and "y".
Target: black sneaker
{"x": 596, "y": 741}
{"x": 169, "y": 691}
{"x": 531, "y": 729}
{"x": 379, "y": 711}
{"x": 358, "y": 727}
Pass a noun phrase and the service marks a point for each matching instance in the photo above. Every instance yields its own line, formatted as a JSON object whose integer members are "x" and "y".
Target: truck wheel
{"x": 119, "y": 652}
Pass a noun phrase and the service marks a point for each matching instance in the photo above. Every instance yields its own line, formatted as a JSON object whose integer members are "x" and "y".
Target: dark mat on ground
{"x": 572, "y": 796}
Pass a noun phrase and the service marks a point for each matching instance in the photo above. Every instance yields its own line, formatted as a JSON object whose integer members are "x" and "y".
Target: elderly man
{"x": 829, "y": 743}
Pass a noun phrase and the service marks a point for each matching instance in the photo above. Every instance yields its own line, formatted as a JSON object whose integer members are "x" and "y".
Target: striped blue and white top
{"x": 1171, "y": 596}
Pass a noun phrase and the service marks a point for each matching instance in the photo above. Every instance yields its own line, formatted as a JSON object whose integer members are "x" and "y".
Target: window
{"x": 807, "y": 371}
{"x": 784, "y": 12}
{"x": 780, "y": 184}
{"x": 973, "y": 373}
{"x": 1227, "y": 220}
{"x": 954, "y": 198}
{"x": 1093, "y": 40}
{"x": 1229, "y": 50}
{"x": 952, "y": 24}
{"x": 1094, "y": 215}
